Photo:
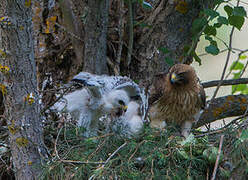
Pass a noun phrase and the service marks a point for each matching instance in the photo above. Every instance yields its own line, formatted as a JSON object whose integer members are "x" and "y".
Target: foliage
{"x": 237, "y": 69}
{"x": 157, "y": 154}
{"x": 211, "y": 20}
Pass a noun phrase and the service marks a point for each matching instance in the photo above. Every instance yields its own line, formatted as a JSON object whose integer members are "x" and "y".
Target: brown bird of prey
{"x": 177, "y": 97}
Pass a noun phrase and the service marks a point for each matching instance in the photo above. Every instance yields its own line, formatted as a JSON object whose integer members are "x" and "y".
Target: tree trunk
{"x": 96, "y": 22}
{"x": 168, "y": 28}
{"x": 21, "y": 101}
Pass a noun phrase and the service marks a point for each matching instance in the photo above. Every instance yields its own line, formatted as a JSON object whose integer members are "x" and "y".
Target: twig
{"x": 80, "y": 162}
{"x": 226, "y": 64}
{"x": 205, "y": 54}
{"x": 209, "y": 133}
{"x": 118, "y": 149}
{"x": 236, "y": 62}
{"x": 55, "y": 144}
{"x": 152, "y": 169}
{"x": 218, "y": 157}
{"x": 225, "y": 82}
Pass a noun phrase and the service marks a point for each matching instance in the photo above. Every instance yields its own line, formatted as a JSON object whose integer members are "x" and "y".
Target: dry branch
{"x": 223, "y": 107}
{"x": 225, "y": 82}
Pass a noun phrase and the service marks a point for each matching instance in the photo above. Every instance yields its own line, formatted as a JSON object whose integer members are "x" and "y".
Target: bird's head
{"x": 116, "y": 101}
{"x": 181, "y": 74}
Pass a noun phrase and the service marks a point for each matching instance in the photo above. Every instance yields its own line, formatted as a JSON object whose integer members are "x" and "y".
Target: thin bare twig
{"x": 110, "y": 157}
{"x": 227, "y": 61}
{"x": 80, "y": 162}
{"x": 236, "y": 62}
{"x": 55, "y": 144}
{"x": 225, "y": 82}
{"x": 218, "y": 157}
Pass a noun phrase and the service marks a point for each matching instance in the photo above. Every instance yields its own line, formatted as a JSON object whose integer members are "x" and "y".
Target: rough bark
{"x": 95, "y": 26}
{"x": 224, "y": 107}
{"x": 170, "y": 29}
{"x": 23, "y": 116}
{"x": 75, "y": 32}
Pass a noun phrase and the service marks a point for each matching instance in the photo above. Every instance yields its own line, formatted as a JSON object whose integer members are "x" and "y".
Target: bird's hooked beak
{"x": 174, "y": 78}
{"x": 180, "y": 78}
{"x": 124, "y": 107}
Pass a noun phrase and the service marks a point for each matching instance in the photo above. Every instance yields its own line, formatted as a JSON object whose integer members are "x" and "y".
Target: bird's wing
{"x": 103, "y": 84}
{"x": 202, "y": 97}
{"x": 157, "y": 87}
{"x": 135, "y": 93}
{"x": 201, "y": 102}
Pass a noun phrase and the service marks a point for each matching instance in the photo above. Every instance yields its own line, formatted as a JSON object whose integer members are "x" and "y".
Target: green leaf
{"x": 169, "y": 61}
{"x": 236, "y": 21}
{"x": 212, "y": 49}
{"x": 189, "y": 140}
{"x": 198, "y": 24}
{"x": 217, "y": 25}
{"x": 183, "y": 154}
{"x": 214, "y": 43}
{"x": 222, "y": 20}
{"x": 239, "y": 11}
{"x": 209, "y": 38}
{"x": 211, "y": 13}
{"x": 228, "y": 10}
{"x": 211, "y": 154}
{"x": 210, "y": 30}
{"x": 216, "y": 2}
{"x": 239, "y": 87}
{"x": 197, "y": 58}
{"x": 242, "y": 57}
{"x": 236, "y": 66}
{"x": 164, "y": 50}
{"x": 236, "y": 75}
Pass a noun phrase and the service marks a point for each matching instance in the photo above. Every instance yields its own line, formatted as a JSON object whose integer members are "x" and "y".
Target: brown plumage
{"x": 176, "y": 97}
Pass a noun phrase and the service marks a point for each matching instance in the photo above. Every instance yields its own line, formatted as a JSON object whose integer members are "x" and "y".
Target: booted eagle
{"x": 177, "y": 97}
{"x": 96, "y": 96}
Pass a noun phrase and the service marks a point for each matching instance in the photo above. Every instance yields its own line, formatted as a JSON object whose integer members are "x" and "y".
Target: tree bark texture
{"x": 95, "y": 27}
{"x": 168, "y": 28}
{"x": 224, "y": 107}
{"x": 22, "y": 114}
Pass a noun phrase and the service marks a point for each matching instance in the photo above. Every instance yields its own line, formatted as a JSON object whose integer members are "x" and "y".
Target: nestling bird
{"x": 177, "y": 97}
{"x": 130, "y": 124}
{"x": 97, "y": 96}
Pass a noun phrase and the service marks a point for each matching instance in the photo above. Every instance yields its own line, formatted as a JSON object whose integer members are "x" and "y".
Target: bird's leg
{"x": 185, "y": 128}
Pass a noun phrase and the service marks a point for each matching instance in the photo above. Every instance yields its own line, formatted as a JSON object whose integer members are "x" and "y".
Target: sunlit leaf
{"x": 242, "y": 57}
{"x": 237, "y": 66}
